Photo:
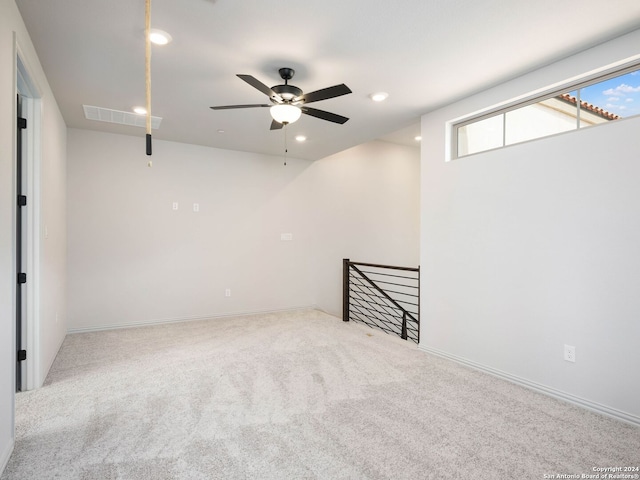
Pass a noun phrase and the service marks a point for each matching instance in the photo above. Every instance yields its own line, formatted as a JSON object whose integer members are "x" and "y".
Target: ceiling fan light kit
{"x": 288, "y": 101}
{"x": 285, "y": 113}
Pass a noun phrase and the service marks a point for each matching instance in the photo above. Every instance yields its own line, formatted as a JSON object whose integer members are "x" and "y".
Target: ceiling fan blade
{"x": 331, "y": 117}
{"x": 227, "y": 107}
{"x": 255, "y": 83}
{"x": 275, "y": 125}
{"x": 326, "y": 93}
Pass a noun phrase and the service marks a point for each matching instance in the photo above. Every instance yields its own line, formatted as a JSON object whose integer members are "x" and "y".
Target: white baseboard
{"x": 6, "y": 455}
{"x": 42, "y": 374}
{"x": 161, "y": 321}
{"x": 552, "y": 392}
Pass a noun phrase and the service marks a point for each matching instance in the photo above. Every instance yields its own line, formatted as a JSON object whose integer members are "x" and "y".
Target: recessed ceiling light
{"x": 220, "y": 131}
{"x": 159, "y": 37}
{"x": 417, "y": 138}
{"x": 140, "y": 110}
{"x": 379, "y": 96}
{"x": 301, "y": 138}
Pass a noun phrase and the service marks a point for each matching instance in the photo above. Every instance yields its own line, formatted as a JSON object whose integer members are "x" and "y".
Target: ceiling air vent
{"x": 116, "y": 116}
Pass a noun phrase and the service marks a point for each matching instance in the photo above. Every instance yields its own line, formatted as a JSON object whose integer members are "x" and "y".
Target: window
{"x": 602, "y": 100}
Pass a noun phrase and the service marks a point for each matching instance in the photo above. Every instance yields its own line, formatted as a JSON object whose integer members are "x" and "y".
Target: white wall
{"x": 52, "y": 255}
{"x": 133, "y": 260}
{"x": 367, "y": 202}
{"x": 7, "y": 263}
{"x": 530, "y": 247}
{"x": 52, "y": 302}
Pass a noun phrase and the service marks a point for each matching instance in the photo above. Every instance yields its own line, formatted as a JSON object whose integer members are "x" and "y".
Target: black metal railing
{"x": 382, "y": 296}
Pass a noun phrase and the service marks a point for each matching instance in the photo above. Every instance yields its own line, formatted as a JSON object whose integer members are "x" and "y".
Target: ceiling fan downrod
{"x": 289, "y": 93}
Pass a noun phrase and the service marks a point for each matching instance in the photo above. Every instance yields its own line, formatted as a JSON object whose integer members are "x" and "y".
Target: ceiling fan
{"x": 288, "y": 102}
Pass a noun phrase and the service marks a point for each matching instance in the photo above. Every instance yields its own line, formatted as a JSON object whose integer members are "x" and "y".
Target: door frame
{"x": 32, "y": 151}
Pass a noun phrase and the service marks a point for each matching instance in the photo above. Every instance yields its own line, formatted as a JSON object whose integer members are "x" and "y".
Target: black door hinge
{"x": 22, "y": 123}
{"x": 22, "y": 355}
{"x": 22, "y": 278}
{"x": 22, "y": 200}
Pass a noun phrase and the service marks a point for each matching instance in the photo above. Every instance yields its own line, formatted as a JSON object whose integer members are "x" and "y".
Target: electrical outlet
{"x": 175, "y": 205}
{"x": 227, "y": 292}
{"x": 196, "y": 207}
{"x": 570, "y": 353}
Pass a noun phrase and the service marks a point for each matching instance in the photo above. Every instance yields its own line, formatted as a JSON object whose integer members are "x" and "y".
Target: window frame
{"x": 565, "y": 88}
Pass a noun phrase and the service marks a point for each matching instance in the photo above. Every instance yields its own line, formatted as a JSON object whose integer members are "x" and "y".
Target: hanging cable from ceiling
{"x": 147, "y": 31}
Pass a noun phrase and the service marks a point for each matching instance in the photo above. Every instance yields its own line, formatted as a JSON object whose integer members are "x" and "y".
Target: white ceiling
{"x": 424, "y": 53}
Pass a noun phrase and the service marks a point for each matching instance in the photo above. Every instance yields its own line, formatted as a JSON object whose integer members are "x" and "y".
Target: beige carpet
{"x": 298, "y": 395}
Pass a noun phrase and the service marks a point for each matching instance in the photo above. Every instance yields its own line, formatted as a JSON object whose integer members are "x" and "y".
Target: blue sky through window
{"x": 619, "y": 95}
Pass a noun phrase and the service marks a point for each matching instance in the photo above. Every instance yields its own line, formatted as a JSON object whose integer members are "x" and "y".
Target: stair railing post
{"x": 345, "y": 290}
{"x": 403, "y": 335}
{"x": 419, "y": 302}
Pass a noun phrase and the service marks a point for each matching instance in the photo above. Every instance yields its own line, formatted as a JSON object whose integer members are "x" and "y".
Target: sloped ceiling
{"x": 424, "y": 53}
